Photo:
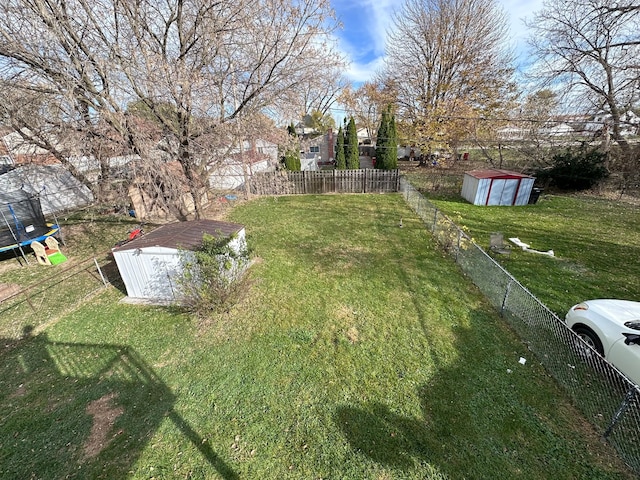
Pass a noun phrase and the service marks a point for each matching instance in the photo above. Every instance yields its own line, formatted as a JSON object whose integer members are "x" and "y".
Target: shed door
{"x": 502, "y": 192}
{"x": 495, "y": 194}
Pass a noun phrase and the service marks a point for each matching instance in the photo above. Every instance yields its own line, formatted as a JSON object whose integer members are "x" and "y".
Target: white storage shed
{"x": 151, "y": 264}
{"x": 497, "y": 187}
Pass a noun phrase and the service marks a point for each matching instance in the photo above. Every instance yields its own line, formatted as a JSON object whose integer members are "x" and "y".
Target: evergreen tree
{"x": 387, "y": 142}
{"x": 291, "y": 157}
{"x": 352, "y": 155}
{"x": 391, "y": 162}
{"x": 292, "y": 160}
{"x": 381, "y": 141}
{"x": 341, "y": 163}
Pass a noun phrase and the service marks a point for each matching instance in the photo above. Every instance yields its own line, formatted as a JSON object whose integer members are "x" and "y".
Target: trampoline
{"x": 22, "y": 221}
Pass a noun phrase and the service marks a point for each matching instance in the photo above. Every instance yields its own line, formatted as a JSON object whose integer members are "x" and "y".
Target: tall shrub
{"x": 341, "y": 163}
{"x": 575, "y": 169}
{"x": 391, "y": 161}
{"x": 351, "y": 146}
{"x": 291, "y": 157}
{"x": 382, "y": 141}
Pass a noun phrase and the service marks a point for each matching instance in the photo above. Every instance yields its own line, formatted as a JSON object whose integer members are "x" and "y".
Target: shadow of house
{"x": 81, "y": 410}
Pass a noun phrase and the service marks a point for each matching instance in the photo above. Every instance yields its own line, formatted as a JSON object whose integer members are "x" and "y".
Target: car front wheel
{"x": 590, "y": 338}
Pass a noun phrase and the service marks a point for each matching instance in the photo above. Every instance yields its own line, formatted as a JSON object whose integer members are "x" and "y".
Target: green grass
{"x": 86, "y": 233}
{"x": 361, "y": 352}
{"x": 595, "y": 242}
{"x": 47, "y": 291}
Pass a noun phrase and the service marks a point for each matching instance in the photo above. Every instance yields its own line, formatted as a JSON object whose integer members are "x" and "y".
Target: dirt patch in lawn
{"x": 8, "y": 290}
{"x": 104, "y": 413}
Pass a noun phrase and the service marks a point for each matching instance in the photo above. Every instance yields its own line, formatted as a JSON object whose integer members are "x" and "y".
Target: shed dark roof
{"x": 187, "y": 235}
{"x": 496, "y": 173}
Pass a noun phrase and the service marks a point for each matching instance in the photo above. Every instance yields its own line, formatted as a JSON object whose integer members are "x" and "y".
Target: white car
{"x": 612, "y": 328}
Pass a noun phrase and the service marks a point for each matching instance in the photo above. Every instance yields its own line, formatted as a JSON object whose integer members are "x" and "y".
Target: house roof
{"x": 186, "y": 235}
{"x": 496, "y": 173}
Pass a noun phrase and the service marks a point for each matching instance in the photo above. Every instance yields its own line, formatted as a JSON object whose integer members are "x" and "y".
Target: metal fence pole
{"x": 506, "y": 297}
{"x": 100, "y": 272}
{"x": 628, "y": 398}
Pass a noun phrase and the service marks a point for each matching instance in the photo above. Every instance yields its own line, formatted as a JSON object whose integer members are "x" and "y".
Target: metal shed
{"x": 497, "y": 187}
{"x": 151, "y": 264}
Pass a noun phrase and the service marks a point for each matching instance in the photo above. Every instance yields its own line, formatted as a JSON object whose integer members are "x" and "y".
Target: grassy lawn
{"x": 361, "y": 352}
{"x": 595, "y": 242}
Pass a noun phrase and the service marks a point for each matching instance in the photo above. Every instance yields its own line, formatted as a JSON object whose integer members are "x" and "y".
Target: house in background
{"x": 629, "y": 123}
{"x": 561, "y": 129}
{"x": 15, "y": 150}
{"x": 317, "y": 150}
{"x": 57, "y": 188}
{"x": 255, "y": 156}
{"x": 6, "y": 161}
{"x": 365, "y": 137}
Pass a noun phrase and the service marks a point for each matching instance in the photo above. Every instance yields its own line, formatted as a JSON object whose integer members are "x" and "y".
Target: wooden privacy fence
{"x": 325, "y": 181}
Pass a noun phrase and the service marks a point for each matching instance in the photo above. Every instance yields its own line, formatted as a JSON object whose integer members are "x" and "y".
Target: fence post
{"x": 435, "y": 221}
{"x": 100, "y": 271}
{"x": 506, "y": 297}
{"x": 631, "y": 393}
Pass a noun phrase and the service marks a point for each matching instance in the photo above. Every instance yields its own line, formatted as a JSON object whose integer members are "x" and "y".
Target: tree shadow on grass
{"x": 483, "y": 415}
{"x": 82, "y": 411}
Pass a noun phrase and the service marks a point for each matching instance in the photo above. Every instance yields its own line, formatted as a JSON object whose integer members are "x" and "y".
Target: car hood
{"x": 618, "y": 311}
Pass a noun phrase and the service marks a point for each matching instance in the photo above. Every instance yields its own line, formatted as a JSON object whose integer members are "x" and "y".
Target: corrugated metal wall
{"x": 496, "y": 191}
{"x": 151, "y": 272}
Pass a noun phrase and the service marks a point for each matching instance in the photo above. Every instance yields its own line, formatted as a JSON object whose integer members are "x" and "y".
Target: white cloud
{"x": 364, "y": 36}
{"x": 378, "y": 14}
{"x": 362, "y": 72}
{"x": 518, "y": 10}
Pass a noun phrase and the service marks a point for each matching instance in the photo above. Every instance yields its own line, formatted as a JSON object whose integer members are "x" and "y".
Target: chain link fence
{"x": 605, "y": 396}
{"x": 32, "y": 308}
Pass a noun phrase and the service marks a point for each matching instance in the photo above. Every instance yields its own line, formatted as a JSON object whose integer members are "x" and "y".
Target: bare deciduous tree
{"x": 366, "y": 104}
{"x": 591, "y": 47}
{"x": 324, "y": 91}
{"x": 448, "y": 62}
{"x": 192, "y": 65}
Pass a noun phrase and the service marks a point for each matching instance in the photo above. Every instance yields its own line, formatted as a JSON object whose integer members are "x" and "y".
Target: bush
{"x": 575, "y": 169}
{"x": 292, "y": 161}
{"x": 213, "y": 277}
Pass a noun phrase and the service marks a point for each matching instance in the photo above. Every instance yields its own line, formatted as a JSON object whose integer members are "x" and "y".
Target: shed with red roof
{"x": 497, "y": 187}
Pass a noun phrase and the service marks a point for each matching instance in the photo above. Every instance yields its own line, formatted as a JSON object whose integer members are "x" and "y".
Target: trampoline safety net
{"x": 21, "y": 217}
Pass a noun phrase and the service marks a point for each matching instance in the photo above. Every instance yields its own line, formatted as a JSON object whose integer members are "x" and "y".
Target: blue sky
{"x": 365, "y": 22}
